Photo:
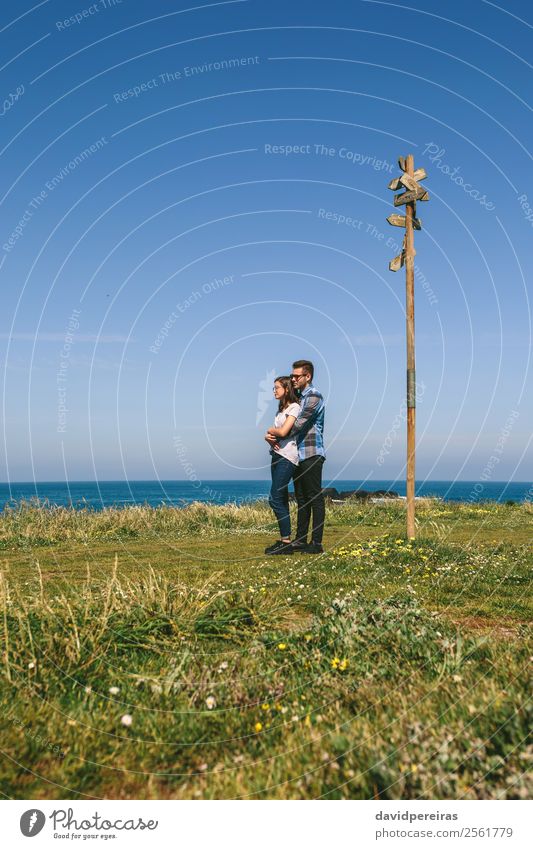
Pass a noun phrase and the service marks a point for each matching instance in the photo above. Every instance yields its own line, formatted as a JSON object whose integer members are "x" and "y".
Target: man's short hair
{"x": 306, "y": 365}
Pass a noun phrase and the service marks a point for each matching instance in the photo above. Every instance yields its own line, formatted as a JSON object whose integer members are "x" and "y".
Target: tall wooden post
{"x": 410, "y": 336}
{"x": 409, "y": 181}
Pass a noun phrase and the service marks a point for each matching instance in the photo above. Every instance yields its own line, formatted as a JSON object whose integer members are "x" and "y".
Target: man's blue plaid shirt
{"x": 309, "y": 426}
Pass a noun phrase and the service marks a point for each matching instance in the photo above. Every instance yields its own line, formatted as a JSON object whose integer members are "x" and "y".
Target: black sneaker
{"x": 279, "y": 548}
{"x": 314, "y": 548}
{"x": 298, "y": 547}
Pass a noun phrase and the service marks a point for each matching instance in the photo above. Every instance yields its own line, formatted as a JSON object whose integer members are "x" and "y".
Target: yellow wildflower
{"x": 258, "y": 727}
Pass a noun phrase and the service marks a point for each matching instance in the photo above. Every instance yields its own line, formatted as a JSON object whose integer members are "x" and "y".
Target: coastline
{"x": 99, "y": 495}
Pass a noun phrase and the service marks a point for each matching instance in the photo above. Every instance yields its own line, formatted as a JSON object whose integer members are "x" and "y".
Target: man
{"x": 309, "y": 432}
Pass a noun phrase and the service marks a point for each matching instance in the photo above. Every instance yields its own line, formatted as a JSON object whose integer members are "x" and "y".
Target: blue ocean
{"x": 97, "y": 495}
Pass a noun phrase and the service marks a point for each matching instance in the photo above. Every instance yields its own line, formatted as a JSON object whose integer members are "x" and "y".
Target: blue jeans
{"x": 282, "y": 471}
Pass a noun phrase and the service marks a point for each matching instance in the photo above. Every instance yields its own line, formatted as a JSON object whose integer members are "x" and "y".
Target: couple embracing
{"x": 297, "y": 448}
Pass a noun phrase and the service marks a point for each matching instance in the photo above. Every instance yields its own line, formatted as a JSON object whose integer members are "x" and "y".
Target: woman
{"x": 284, "y": 461}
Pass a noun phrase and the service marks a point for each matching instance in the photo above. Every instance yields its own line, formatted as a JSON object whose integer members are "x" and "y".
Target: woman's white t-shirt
{"x": 287, "y": 445}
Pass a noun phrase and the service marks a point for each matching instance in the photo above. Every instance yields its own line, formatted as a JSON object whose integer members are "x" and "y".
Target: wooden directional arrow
{"x": 399, "y": 221}
{"x": 396, "y": 263}
{"x": 395, "y": 184}
{"x": 409, "y": 197}
{"x": 409, "y": 182}
{"x": 396, "y": 220}
{"x": 399, "y": 182}
{"x": 420, "y": 174}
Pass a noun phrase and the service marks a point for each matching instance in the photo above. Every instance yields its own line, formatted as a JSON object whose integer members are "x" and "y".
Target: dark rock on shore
{"x": 333, "y": 494}
{"x": 364, "y": 494}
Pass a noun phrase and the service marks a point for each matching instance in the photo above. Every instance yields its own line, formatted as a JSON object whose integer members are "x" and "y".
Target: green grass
{"x": 382, "y": 669}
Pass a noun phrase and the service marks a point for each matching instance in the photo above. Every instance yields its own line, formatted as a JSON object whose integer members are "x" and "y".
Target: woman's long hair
{"x": 290, "y": 396}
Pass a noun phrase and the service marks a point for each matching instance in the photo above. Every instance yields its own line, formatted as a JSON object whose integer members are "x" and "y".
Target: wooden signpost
{"x": 409, "y": 184}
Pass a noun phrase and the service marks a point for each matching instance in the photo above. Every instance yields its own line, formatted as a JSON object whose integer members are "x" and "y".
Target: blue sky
{"x": 194, "y": 197}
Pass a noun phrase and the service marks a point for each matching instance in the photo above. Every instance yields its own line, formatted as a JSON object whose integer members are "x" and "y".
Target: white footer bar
{"x": 268, "y": 824}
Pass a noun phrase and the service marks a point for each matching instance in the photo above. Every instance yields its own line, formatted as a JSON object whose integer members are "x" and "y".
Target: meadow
{"x": 158, "y": 653}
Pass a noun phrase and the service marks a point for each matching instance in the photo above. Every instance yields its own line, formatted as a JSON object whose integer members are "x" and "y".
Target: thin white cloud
{"x": 103, "y": 339}
{"x": 374, "y": 339}
{"x": 82, "y": 361}
{"x": 386, "y": 340}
